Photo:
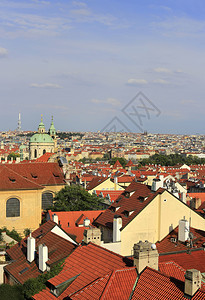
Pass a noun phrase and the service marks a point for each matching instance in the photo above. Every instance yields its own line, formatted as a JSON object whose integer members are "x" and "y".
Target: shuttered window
{"x": 47, "y": 200}
{"x": 12, "y": 208}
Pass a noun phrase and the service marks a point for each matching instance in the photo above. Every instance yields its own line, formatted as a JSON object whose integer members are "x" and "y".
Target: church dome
{"x": 41, "y": 138}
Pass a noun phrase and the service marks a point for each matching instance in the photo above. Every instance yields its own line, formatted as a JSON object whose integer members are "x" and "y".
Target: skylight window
{"x": 22, "y": 271}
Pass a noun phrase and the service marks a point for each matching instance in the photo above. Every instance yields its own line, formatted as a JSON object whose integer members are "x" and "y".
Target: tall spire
{"x": 52, "y": 130}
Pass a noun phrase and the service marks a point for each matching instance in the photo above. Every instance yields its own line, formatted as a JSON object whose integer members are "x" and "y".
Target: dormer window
{"x": 56, "y": 175}
{"x": 112, "y": 208}
{"x": 34, "y": 175}
{"x": 60, "y": 288}
{"x": 126, "y": 213}
{"x": 12, "y": 179}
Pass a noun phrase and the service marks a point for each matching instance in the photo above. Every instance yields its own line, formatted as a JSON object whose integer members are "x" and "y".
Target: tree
{"x": 12, "y": 233}
{"x": 13, "y": 155}
{"x": 74, "y": 197}
{"x": 11, "y": 292}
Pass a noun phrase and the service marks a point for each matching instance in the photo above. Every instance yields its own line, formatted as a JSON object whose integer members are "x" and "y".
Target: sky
{"x": 111, "y": 65}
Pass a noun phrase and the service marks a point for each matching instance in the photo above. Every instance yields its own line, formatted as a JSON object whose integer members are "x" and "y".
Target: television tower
{"x": 19, "y": 123}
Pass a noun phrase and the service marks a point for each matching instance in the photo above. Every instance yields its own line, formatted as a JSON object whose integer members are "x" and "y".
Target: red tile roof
{"x": 117, "y": 165}
{"x": 58, "y": 249}
{"x": 115, "y": 285}
{"x": 154, "y": 285}
{"x": 190, "y": 260}
{"x": 167, "y": 245}
{"x": 74, "y": 219}
{"x": 30, "y": 175}
{"x": 95, "y": 182}
{"x": 89, "y": 262}
{"x": 45, "y": 157}
{"x": 134, "y": 205}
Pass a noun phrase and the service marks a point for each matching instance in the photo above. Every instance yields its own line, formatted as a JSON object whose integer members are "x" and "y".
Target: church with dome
{"x": 42, "y": 142}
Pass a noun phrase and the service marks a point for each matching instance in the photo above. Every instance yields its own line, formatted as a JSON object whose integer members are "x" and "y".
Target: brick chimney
{"x": 145, "y": 255}
{"x": 192, "y": 282}
{"x": 93, "y": 235}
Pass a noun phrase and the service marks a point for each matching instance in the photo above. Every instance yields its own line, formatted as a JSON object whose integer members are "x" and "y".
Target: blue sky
{"x": 83, "y": 61}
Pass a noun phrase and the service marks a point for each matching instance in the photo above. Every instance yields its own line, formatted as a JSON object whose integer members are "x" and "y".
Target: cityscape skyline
{"x": 83, "y": 62}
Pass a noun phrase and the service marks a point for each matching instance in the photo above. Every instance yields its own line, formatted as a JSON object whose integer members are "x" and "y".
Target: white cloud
{"x": 3, "y": 52}
{"x": 162, "y": 70}
{"x": 79, "y": 4}
{"x": 188, "y": 102}
{"x": 111, "y": 101}
{"x": 181, "y": 27}
{"x": 46, "y": 85}
{"x": 134, "y": 81}
{"x": 160, "y": 81}
{"x": 81, "y": 12}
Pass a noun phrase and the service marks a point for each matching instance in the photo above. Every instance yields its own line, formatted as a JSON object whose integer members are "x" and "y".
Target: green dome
{"x": 41, "y": 138}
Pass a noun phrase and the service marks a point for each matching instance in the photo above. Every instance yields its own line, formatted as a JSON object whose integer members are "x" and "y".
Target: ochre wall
{"x": 157, "y": 220}
{"x": 30, "y": 208}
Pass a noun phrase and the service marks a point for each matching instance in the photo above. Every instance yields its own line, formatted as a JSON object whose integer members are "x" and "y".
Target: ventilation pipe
{"x": 183, "y": 231}
{"x": 117, "y": 225}
{"x": 43, "y": 257}
{"x": 86, "y": 222}
{"x": 31, "y": 248}
{"x": 55, "y": 218}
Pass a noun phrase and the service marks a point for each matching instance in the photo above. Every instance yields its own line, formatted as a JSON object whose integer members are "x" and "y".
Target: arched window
{"x": 47, "y": 200}
{"x": 35, "y": 153}
{"x": 12, "y": 208}
{"x": 44, "y": 151}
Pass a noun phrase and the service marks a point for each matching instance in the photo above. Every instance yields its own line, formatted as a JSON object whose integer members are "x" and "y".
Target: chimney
{"x": 85, "y": 184}
{"x": 115, "y": 182}
{"x": 42, "y": 257}
{"x": 192, "y": 282}
{"x": 145, "y": 255}
{"x": 55, "y": 218}
{"x": 156, "y": 184}
{"x": 183, "y": 230}
{"x": 117, "y": 225}
{"x": 195, "y": 203}
{"x": 93, "y": 235}
{"x": 31, "y": 248}
{"x": 86, "y": 222}
{"x": 183, "y": 197}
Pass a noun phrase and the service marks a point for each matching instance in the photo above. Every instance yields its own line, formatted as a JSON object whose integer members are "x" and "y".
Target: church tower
{"x": 52, "y": 133}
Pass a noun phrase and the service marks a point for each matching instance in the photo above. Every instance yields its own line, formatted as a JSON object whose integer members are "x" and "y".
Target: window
{"x": 47, "y": 200}
{"x": 12, "y": 208}
{"x": 35, "y": 153}
{"x": 44, "y": 151}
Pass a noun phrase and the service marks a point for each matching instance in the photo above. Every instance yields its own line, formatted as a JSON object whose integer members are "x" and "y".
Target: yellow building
{"x": 26, "y": 189}
{"x": 141, "y": 214}
{"x": 102, "y": 183}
